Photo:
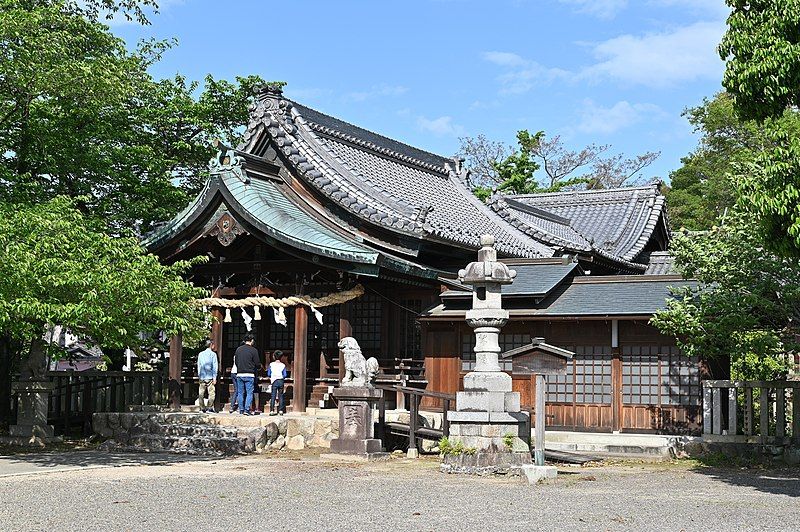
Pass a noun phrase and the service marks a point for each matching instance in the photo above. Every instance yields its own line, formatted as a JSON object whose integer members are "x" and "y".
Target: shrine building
{"x": 314, "y": 206}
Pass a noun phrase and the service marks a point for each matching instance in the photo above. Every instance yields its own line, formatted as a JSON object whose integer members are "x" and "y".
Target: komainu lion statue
{"x": 358, "y": 371}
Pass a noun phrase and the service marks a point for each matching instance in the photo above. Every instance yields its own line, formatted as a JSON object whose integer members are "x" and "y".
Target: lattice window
{"x": 507, "y": 341}
{"x": 367, "y": 324}
{"x": 641, "y": 375}
{"x": 410, "y": 330}
{"x": 587, "y": 380}
{"x": 680, "y": 378}
{"x": 593, "y": 374}
{"x": 278, "y": 336}
{"x": 235, "y": 330}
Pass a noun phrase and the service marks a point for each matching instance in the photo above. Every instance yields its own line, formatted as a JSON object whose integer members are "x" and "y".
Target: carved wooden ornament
{"x": 226, "y": 229}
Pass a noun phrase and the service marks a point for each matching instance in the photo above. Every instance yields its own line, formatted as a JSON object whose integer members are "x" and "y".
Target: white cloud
{"x": 442, "y": 126}
{"x": 521, "y": 75}
{"x": 597, "y": 119}
{"x": 604, "y": 9}
{"x": 505, "y": 59}
{"x": 377, "y": 91}
{"x": 660, "y": 59}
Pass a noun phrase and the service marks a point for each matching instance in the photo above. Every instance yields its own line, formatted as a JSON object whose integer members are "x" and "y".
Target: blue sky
{"x": 613, "y": 72}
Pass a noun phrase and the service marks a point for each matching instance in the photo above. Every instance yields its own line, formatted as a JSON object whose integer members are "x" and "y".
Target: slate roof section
{"x": 380, "y": 180}
{"x": 614, "y": 296}
{"x": 532, "y": 280}
{"x": 615, "y": 223}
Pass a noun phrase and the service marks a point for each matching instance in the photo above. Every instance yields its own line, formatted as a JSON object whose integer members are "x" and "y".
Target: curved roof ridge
{"x": 372, "y": 140}
{"x": 593, "y": 191}
{"x": 500, "y": 206}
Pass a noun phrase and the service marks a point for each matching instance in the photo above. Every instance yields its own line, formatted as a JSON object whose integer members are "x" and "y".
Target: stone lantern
{"x": 487, "y": 423}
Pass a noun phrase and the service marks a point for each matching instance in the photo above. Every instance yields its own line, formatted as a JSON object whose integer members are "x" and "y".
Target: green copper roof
{"x": 281, "y": 219}
{"x": 261, "y": 204}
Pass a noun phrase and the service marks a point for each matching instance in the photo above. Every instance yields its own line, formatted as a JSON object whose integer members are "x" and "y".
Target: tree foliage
{"x": 762, "y": 51}
{"x": 58, "y": 267}
{"x": 493, "y": 165}
{"x": 80, "y": 115}
{"x": 746, "y": 305}
{"x": 700, "y": 190}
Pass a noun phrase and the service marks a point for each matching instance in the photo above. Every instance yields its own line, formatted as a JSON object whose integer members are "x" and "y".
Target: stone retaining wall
{"x": 263, "y": 432}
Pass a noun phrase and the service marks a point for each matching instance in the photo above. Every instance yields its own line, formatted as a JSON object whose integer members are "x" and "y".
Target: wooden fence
{"x": 751, "y": 411}
{"x": 77, "y": 395}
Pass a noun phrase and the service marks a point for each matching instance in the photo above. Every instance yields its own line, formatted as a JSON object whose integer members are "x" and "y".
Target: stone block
{"x": 474, "y": 401}
{"x": 271, "y": 432}
{"x": 296, "y": 442}
{"x": 322, "y": 426}
{"x": 279, "y": 443}
{"x": 468, "y": 417}
{"x": 492, "y": 381}
{"x": 535, "y": 474}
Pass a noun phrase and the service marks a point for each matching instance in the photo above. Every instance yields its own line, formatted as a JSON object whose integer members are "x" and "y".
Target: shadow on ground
{"x": 768, "y": 480}
{"x": 55, "y": 460}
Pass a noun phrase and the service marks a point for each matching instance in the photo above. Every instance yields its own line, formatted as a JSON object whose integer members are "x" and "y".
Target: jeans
{"x": 245, "y": 392}
{"x": 234, "y": 398}
{"x": 277, "y": 390}
{"x": 207, "y": 385}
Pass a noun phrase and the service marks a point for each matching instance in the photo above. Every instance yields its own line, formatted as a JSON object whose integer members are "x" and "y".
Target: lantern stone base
{"x": 492, "y": 442}
{"x": 356, "y": 422}
{"x": 31, "y": 427}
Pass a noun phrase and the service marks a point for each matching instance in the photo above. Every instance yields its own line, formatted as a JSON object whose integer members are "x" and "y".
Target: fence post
{"x": 780, "y": 412}
{"x": 445, "y": 421}
{"x": 796, "y": 415}
{"x": 716, "y": 411}
{"x": 749, "y": 415}
{"x": 763, "y": 425}
{"x": 67, "y": 404}
{"x": 87, "y": 406}
{"x": 706, "y": 409}
{"x": 412, "y": 422}
{"x": 732, "y": 411}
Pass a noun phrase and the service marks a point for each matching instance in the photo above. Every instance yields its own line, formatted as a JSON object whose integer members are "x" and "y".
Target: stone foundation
{"x": 197, "y": 433}
{"x": 485, "y": 463}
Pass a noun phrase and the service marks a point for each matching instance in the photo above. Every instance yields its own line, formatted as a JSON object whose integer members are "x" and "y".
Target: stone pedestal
{"x": 32, "y": 427}
{"x": 356, "y": 423}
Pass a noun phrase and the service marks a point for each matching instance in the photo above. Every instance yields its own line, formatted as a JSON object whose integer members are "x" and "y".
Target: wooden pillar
{"x": 175, "y": 367}
{"x": 300, "y": 358}
{"x": 616, "y": 378}
{"x": 216, "y": 339}
{"x": 345, "y": 330}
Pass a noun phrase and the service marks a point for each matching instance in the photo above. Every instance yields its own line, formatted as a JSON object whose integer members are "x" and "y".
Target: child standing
{"x": 277, "y": 374}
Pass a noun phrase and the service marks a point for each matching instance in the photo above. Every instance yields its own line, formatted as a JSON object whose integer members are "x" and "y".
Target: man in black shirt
{"x": 247, "y": 365}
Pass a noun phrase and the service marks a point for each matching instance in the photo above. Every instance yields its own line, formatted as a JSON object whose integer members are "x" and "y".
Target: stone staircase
{"x": 182, "y": 432}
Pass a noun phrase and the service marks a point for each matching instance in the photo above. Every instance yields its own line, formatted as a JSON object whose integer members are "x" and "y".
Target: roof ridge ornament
{"x": 227, "y": 160}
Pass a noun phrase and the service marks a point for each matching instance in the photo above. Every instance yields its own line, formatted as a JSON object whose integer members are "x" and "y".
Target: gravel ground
{"x": 309, "y": 494}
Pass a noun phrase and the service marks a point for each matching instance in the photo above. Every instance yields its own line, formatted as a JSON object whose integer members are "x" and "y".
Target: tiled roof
{"x": 616, "y": 223}
{"x": 659, "y": 263}
{"x": 536, "y": 280}
{"x": 381, "y": 180}
{"x": 587, "y": 296}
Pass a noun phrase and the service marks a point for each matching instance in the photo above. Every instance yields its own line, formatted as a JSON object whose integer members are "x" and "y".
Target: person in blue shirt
{"x": 207, "y": 368}
{"x": 277, "y": 374}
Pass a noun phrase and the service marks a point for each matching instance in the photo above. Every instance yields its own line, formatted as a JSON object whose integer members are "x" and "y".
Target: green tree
{"x": 762, "y": 52}
{"x": 491, "y": 165}
{"x": 700, "y": 191}
{"x": 80, "y": 115}
{"x": 58, "y": 267}
{"x": 746, "y": 304}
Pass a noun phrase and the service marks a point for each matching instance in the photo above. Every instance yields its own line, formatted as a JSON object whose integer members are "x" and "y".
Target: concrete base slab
{"x": 412, "y": 453}
{"x": 535, "y": 474}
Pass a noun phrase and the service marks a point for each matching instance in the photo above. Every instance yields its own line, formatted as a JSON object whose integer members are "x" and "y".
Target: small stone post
{"x": 487, "y": 422}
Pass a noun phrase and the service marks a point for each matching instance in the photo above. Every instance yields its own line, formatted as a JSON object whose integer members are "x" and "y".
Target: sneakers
{"x": 273, "y": 413}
